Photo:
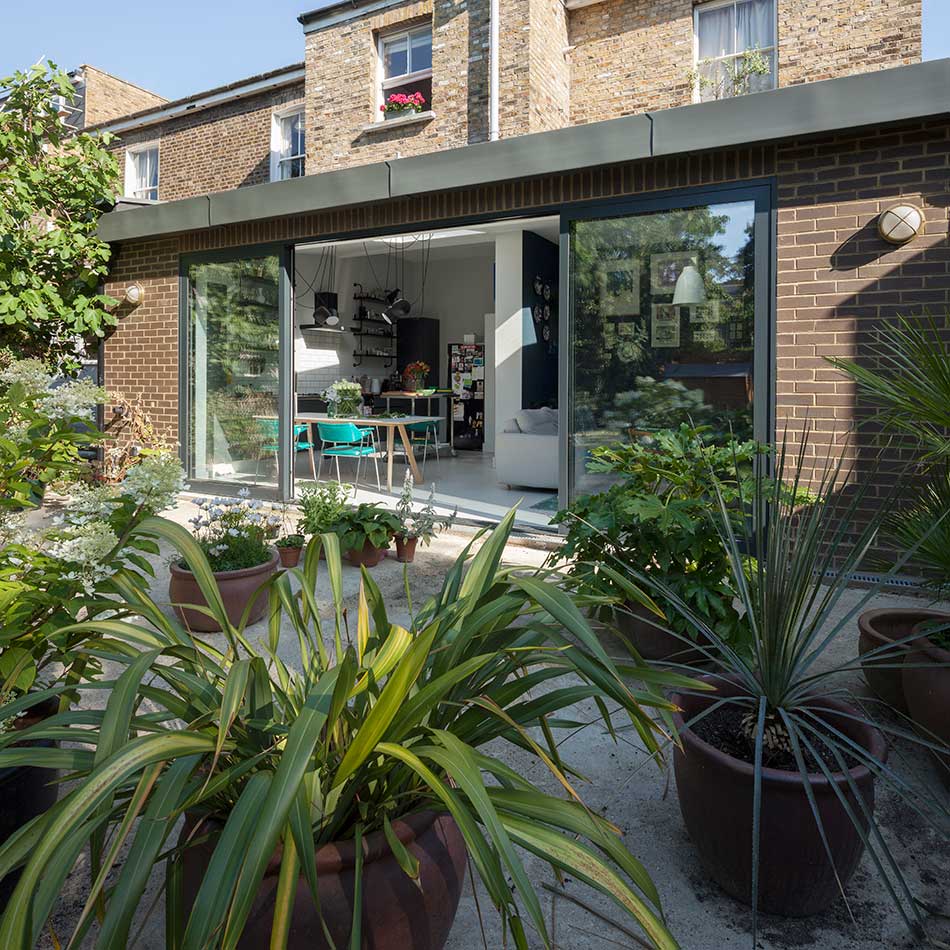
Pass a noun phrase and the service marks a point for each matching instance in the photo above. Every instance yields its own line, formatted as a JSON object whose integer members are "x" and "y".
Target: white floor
{"x": 466, "y": 481}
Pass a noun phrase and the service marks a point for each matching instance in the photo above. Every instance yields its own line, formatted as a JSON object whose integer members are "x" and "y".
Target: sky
{"x": 179, "y": 47}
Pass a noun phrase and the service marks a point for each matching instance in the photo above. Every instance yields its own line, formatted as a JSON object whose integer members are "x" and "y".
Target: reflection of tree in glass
{"x": 610, "y": 351}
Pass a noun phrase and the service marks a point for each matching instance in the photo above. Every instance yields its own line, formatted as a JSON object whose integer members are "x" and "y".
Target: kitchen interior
{"x": 364, "y": 310}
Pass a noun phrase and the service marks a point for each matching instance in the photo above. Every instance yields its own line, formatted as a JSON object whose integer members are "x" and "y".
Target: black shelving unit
{"x": 361, "y": 320}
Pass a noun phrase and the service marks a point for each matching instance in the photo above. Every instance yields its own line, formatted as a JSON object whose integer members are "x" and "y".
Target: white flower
{"x": 33, "y": 374}
{"x": 155, "y": 482}
{"x": 78, "y": 397}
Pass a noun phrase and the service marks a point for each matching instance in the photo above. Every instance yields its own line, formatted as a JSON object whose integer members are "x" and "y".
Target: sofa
{"x": 526, "y": 450}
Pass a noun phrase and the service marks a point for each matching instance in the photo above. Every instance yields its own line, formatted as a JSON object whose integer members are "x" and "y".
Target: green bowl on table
{"x": 425, "y": 392}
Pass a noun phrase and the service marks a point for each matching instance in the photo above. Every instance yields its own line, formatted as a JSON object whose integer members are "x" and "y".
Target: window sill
{"x": 414, "y": 119}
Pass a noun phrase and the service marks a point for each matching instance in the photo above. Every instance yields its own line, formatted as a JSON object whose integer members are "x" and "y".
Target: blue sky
{"x": 178, "y": 47}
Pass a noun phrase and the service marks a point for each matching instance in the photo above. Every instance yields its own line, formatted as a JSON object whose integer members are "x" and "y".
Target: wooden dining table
{"x": 392, "y": 427}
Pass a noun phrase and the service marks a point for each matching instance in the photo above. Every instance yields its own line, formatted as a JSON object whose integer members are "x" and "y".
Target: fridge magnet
{"x": 665, "y": 270}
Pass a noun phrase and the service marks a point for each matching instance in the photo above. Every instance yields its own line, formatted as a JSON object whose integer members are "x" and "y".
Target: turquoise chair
{"x": 347, "y": 440}
{"x": 303, "y": 440}
{"x": 424, "y": 434}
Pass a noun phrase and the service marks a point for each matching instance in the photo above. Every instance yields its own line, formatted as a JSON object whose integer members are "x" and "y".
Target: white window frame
{"x": 131, "y": 154}
{"x": 382, "y": 83}
{"x": 276, "y": 139}
{"x": 717, "y": 4}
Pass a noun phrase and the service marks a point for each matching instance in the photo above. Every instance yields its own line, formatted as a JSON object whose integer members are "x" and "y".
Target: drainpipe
{"x": 493, "y": 45}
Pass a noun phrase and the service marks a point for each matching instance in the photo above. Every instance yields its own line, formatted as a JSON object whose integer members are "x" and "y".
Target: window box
{"x": 405, "y": 68}
{"x": 411, "y": 118}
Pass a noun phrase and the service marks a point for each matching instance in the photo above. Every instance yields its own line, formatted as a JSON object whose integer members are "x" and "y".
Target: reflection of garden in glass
{"x": 641, "y": 363}
{"x": 233, "y": 369}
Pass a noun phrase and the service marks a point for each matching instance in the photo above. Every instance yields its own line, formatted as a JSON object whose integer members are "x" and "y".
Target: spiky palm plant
{"x": 791, "y": 596}
{"x": 370, "y": 728}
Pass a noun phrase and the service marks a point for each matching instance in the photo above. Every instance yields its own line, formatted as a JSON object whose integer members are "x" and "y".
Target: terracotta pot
{"x": 368, "y": 556}
{"x": 237, "y": 588}
{"x": 877, "y": 628}
{"x": 926, "y": 683}
{"x": 398, "y": 913}
{"x": 716, "y": 792}
{"x": 641, "y": 627}
{"x": 289, "y": 557}
{"x": 406, "y": 549}
{"x": 26, "y": 791}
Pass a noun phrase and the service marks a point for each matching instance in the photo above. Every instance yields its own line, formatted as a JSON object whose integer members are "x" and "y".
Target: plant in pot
{"x": 654, "y": 519}
{"x": 414, "y": 375}
{"x": 907, "y": 378}
{"x": 340, "y": 805}
{"x": 776, "y": 771}
{"x": 235, "y": 536}
{"x": 417, "y": 524}
{"x": 402, "y": 103}
{"x": 322, "y": 507}
{"x": 344, "y": 399}
{"x": 365, "y": 532}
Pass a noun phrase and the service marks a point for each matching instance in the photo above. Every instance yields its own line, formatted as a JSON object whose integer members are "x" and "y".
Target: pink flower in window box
{"x": 404, "y": 102}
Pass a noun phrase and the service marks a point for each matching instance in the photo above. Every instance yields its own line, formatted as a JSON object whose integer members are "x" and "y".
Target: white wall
{"x": 509, "y": 326}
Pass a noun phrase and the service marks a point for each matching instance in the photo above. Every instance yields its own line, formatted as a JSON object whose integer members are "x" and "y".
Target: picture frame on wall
{"x": 665, "y": 326}
{"x": 665, "y": 270}
{"x": 620, "y": 288}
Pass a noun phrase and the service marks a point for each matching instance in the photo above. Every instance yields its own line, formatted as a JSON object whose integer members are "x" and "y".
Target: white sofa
{"x": 526, "y": 450}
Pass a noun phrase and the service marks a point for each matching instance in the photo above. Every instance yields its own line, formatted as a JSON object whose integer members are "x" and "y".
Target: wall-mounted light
{"x": 900, "y": 223}
{"x": 134, "y": 294}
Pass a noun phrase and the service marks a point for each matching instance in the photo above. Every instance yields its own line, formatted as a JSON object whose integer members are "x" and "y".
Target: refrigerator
{"x": 467, "y": 381}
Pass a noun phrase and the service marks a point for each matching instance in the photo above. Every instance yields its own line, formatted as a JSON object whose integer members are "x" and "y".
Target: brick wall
{"x": 635, "y": 56}
{"x": 836, "y": 279}
{"x": 342, "y": 78}
{"x": 215, "y": 149}
{"x": 107, "y": 97}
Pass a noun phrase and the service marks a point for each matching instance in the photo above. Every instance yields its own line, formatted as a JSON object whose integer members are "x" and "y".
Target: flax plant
{"x": 373, "y": 725}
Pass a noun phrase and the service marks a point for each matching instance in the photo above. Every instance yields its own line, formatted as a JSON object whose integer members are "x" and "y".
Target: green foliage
{"x": 322, "y": 507}
{"x": 55, "y": 570}
{"x": 364, "y": 524}
{"x": 422, "y": 523}
{"x": 53, "y": 184}
{"x": 906, "y": 376}
{"x": 234, "y": 533}
{"x": 655, "y": 519}
{"x": 792, "y": 597}
{"x": 379, "y": 723}
{"x": 42, "y": 430}
{"x": 723, "y": 79}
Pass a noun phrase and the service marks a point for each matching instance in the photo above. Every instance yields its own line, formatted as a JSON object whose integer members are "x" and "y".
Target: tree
{"x": 53, "y": 185}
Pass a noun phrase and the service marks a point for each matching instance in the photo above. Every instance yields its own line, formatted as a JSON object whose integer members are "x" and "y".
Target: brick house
{"x": 639, "y": 209}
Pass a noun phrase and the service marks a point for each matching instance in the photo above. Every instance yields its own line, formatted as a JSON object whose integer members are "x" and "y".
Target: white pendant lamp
{"x": 690, "y": 289}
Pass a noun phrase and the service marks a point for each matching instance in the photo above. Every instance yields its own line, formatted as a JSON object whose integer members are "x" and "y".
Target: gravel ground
{"x": 639, "y": 796}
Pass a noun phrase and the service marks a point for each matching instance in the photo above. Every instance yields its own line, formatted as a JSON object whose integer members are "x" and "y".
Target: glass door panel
{"x": 233, "y": 370}
{"x": 663, "y": 327}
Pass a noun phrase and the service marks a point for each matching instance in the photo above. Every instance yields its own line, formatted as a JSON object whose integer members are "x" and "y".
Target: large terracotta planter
{"x": 926, "y": 683}
{"x": 406, "y": 549}
{"x": 26, "y": 791}
{"x": 367, "y": 556}
{"x": 716, "y": 793}
{"x": 398, "y": 913}
{"x": 877, "y": 628}
{"x": 237, "y": 588}
{"x": 643, "y": 629}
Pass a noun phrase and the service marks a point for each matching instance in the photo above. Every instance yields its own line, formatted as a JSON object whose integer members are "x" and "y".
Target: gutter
{"x": 494, "y": 46}
{"x": 904, "y": 93}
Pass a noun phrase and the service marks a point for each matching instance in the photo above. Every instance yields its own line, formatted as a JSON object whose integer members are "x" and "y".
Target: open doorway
{"x": 477, "y": 307}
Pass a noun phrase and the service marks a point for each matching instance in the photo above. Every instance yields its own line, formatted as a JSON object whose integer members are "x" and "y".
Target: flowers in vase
{"x": 415, "y": 373}
{"x": 344, "y": 397}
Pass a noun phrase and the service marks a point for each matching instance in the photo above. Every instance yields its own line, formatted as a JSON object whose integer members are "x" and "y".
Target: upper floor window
{"x": 406, "y": 72}
{"x": 141, "y": 172}
{"x": 288, "y": 145}
{"x": 735, "y": 48}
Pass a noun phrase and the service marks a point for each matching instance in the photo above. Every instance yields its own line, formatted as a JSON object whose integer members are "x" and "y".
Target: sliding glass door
{"x": 232, "y": 381}
{"x": 668, "y": 321}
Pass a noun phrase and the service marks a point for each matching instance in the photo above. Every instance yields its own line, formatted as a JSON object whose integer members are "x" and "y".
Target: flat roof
{"x": 892, "y": 95}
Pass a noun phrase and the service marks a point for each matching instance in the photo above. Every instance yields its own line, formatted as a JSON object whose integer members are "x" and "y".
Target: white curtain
{"x": 753, "y": 24}
{"x": 717, "y": 32}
